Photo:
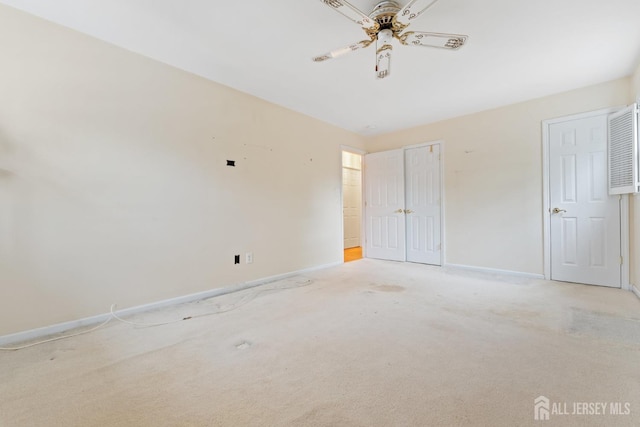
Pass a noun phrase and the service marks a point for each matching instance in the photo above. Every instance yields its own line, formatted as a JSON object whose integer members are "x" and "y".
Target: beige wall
{"x": 114, "y": 186}
{"x": 636, "y": 83}
{"x": 493, "y": 175}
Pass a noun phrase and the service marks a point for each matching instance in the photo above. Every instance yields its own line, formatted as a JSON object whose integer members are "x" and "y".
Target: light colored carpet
{"x": 368, "y": 343}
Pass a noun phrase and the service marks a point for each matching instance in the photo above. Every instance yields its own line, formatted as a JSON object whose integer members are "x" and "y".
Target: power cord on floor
{"x": 33, "y": 344}
{"x": 112, "y": 314}
{"x": 143, "y": 325}
{"x": 248, "y": 297}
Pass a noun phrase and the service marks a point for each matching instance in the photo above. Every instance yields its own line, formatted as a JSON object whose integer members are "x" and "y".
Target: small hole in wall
{"x": 231, "y": 162}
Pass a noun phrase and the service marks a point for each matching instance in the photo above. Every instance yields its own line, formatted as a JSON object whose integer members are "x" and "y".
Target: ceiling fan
{"x": 386, "y": 22}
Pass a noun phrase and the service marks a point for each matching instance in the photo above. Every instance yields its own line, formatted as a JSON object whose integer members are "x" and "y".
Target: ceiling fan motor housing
{"x": 384, "y": 12}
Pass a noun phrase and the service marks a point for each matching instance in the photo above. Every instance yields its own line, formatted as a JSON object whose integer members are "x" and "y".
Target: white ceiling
{"x": 517, "y": 50}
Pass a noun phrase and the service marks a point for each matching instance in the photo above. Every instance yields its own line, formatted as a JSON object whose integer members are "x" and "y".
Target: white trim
{"x": 422, "y": 144}
{"x": 363, "y": 207}
{"x": 88, "y": 321}
{"x": 625, "y": 279}
{"x": 361, "y": 153}
{"x": 585, "y": 115}
{"x": 442, "y": 206}
{"x": 33, "y": 334}
{"x": 352, "y": 150}
{"x": 495, "y": 271}
{"x": 635, "y": 290}
{"x": 546, "y": 202}
{"x": 342, "y": 200}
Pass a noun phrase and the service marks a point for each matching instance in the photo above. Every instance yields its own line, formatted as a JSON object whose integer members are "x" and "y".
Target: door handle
{"x": 408, "y": 211}
{"x": 557, "y": 210}
{"x": 398, "y": 211}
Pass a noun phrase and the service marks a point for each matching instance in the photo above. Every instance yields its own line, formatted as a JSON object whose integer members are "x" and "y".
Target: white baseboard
{"x": 45, "y": 331}
{"x": 495, "y": 271}
{"x": 94, "y": 320}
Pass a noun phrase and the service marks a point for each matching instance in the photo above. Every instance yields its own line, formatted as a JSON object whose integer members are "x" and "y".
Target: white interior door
{"x": 351, "y": 206}
{"x": 584, "y": 219}
{"x": 422, "y": 201}
{"x": 384, "y": 195}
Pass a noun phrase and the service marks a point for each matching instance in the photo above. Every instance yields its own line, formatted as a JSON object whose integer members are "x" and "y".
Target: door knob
{"x": 398, "y": 211}
{"x": 557, "y": 210}
{"x": 408, "y": 211}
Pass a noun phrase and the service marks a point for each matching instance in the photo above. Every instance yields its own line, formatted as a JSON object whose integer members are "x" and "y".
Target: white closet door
{"x": 422, "y": 201}
{"x": 585, "y": 220}
{"x": 385, "y": 219}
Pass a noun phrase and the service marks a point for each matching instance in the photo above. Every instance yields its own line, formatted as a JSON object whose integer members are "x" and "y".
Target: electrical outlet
{"x": 248, "y": 257}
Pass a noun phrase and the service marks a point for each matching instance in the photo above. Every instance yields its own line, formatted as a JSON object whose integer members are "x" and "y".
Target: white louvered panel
{"x": 623, "y": 151}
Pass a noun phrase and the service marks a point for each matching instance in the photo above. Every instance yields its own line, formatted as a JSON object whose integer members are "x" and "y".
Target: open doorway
{"x": 352, "y": 205}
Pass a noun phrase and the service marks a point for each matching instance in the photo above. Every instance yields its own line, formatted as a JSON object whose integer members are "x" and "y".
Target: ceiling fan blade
{"x": 383, "y": 54}
{"x": 411, "y": 11}
{"x": 343, "y": 51}
{"x": 351, "y": 12}
{"x": 444, "y": 41}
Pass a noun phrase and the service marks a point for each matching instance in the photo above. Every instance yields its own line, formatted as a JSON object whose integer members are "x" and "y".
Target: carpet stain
{"x": 324, "y": 415}
{"x": 389, "y": 288}
{"x": 243, "y": 345}
{"x": 516, "y": 313}
{"x": 605, "y": 326}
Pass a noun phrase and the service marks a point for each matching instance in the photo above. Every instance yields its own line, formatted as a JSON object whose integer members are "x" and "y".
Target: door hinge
{"x": 621, "y": 261}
